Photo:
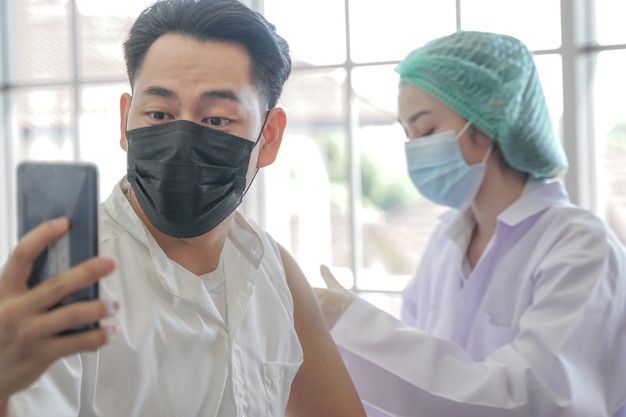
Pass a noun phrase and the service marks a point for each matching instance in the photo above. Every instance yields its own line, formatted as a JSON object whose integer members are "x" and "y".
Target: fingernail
{"x": 60, "y": 223}
{"x": 112, "y": 306}
{"x": 107, "y": 265}
{"x": 112, "y": 331}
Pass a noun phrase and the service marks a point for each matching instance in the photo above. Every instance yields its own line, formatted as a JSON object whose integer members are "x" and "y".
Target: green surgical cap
{"x": 491, "y": 80}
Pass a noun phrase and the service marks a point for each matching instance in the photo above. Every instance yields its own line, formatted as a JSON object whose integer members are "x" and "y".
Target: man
{"x": 215, "y": 318}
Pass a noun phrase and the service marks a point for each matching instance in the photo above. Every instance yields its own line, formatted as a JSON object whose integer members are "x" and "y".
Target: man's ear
{"x": 272, "y": 136}
{"x": 125, "y": 101}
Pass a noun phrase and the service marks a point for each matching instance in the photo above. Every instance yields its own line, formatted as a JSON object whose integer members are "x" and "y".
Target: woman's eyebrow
{"x": 413, "y": 118}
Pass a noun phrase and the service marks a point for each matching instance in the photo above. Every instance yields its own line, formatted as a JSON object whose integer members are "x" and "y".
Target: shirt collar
{"x": 242, "y": 235}
{"x": 118, "y": 205}
{"x": 537, "y": 196}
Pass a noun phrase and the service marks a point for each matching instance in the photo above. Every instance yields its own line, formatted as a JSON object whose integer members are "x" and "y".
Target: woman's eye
{"x": 158, "y": 115}
{"x": 430, "y": 132}
{"x": 417, "y": 134}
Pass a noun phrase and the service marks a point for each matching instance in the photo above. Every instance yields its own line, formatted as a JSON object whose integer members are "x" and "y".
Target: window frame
{"x": 578, "y": 53}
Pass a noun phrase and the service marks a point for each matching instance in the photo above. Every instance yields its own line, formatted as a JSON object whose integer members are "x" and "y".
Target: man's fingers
{"x": 20, "y": 262}
{"x": 69, "y": 316}
{"x": 52, "y": 291}
{"x": 90, "y": 340}
{"x": 329, "y": 278}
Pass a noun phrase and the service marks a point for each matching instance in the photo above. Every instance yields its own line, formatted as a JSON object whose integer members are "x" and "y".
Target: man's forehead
{"x": 185, "y": 55}
{"x": 177, "y": 65}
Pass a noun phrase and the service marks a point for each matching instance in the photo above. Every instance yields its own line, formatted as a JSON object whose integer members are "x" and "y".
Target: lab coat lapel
{"x": 472, "y": 294}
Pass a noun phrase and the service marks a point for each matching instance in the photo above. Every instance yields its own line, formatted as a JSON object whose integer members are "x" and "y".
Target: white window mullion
{"x": 75, "y": 128}
{"x": 354, "y": 160}
{"x": 578, "y": 65}
{"x": 7, "y": 161}
{"x": 5, "y": 178}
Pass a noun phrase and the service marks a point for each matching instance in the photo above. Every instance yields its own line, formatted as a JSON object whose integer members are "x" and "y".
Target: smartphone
{"x": 46, "y": 190}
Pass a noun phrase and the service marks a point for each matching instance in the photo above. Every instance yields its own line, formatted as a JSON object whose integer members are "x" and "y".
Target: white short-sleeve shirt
{"x": 176, "y": 355}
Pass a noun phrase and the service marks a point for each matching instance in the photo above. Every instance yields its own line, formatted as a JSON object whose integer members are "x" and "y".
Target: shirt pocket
{"x": 278, "y": 377}
{"x": 490, "y": 336}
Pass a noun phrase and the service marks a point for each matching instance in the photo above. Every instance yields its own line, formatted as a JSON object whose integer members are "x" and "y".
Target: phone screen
{"x": 50, "y": 190}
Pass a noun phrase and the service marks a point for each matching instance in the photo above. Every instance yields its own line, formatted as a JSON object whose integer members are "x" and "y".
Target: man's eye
{"x": 217, "y": 121}
{"x": 158, "y": 115}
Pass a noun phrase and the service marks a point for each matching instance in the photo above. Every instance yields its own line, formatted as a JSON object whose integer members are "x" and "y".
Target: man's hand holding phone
{"x": 30, "y": 328}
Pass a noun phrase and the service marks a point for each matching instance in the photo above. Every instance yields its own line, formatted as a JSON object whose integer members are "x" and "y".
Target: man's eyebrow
{"x": 155, "y": 90}
{"x": 226, "y": 94}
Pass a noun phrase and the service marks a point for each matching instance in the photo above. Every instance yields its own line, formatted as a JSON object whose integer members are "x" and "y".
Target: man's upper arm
{"x": 322, "y": 385}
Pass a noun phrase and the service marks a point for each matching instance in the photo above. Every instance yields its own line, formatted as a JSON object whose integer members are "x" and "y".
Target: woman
{"x": 518, "y": 305}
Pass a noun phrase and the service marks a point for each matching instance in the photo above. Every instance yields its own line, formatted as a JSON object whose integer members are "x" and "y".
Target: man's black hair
{"x": 217, "y": 20}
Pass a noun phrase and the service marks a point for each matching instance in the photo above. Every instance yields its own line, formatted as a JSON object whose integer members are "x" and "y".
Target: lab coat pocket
{"x": 490, "y": 336}
{"x": 278, "y": 377}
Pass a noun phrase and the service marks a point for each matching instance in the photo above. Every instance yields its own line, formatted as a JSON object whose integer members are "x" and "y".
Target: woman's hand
{"x": 334, "y": 300}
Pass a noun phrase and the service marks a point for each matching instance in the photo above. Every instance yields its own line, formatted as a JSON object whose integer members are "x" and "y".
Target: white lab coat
{"x": 175, "y": 354}
{"x": 536, "y": 329}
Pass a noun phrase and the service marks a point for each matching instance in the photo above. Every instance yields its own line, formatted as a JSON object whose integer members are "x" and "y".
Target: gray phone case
{"x": 49, "y": 190}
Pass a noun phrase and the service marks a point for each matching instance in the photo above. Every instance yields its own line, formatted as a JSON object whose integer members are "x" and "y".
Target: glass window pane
{"x": 43, "y": 40}
{"x": 100, "y": 133}
{"x": 101, "y": 32}
{"x": 307, "y": 189}
{"x": 389, "y": 31}
{"x": 610, "y": 21}
{"x": 610, "y": 124}
{"x": 44, "y": 117}
{"x": 377, "y": 102}
{"x": 396, "y": 220}
{"x": 315, "y": 30}
{"x": 516, "y": 18}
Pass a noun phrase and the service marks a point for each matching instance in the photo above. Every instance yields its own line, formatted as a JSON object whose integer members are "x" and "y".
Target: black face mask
{"x": 187, "y": 178}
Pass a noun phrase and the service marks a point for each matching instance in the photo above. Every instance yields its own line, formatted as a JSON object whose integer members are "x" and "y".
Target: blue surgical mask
{"x": 438, "y": 170}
